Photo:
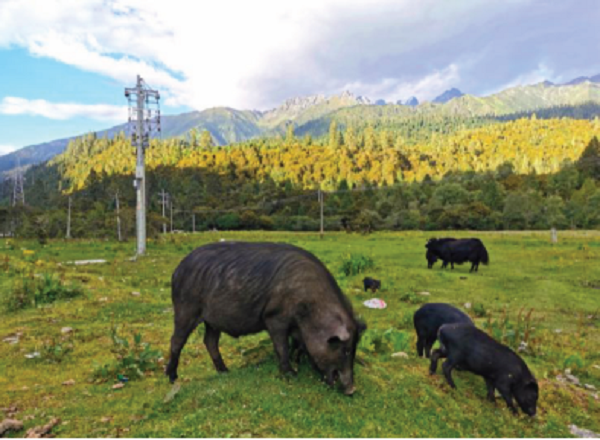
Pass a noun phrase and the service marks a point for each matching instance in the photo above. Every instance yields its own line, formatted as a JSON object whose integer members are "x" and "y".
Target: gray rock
{"x": 582, "y": 433}
{"x": 400, "y": 354}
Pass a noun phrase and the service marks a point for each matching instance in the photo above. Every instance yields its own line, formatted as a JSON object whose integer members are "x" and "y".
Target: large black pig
{"x": 428, "y": 320}
{"x": 468, "y": 348}
{"x": 244, "y": 288}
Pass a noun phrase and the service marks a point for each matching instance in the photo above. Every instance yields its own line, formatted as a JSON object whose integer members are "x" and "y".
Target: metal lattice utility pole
{"x": 142, "y": 121}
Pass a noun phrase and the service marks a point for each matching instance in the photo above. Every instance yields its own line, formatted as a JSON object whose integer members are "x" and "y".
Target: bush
{"x": 512, "y": 333}
{"x": 133, "y": 360}
{"x": 384, "y": 342}
{"x": 54, "y": 351}
{"x": 29, "y": 292}
{"x": 356, "y": 264}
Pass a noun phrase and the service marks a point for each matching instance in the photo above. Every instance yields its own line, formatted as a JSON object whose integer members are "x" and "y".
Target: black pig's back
{"x": 474, "y": 350}
{"x": 237, "y": 284}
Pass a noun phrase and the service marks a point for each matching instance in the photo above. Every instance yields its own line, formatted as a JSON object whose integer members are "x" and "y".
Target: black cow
{"x": 371, "y": 283}
{"x": 470, "y": 349}
{"x": 431, "y": 255}
{"x": 458, "y": 251}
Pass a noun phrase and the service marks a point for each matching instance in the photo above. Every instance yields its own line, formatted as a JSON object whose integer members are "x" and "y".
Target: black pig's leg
{"x": 490, "y": 390}
{"x": 184, "y": 326}
{"x": 211, "y": 340}
{"x": 420, "y": 345}
{"x": 428, "y": 345}
{"x": 507, "y": 396}
{"x": 435, "y": 355}
{"x": 279, "y": 336}
{"x": 447, "y": 367}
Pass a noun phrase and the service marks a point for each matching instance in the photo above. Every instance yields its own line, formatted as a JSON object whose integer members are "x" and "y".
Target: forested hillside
{"x": 456, "y": 173}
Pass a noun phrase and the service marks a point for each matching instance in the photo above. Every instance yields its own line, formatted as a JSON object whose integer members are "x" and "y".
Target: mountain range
{"x": 311, "y": 114}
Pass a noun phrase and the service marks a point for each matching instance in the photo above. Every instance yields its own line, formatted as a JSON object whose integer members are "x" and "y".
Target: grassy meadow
{"x": 74, "y": 375}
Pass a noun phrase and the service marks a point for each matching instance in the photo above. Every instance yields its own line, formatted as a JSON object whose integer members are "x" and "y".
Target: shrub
{"x": 50, "y": 289}
{"x": 413, "y": 298}
{"x": 55, "y": 350}
{"x": 132, "y": 360}
{"x": 29, "y": 292}
{"x": 511, "y": 333}
{"x": 375, "y": 341}
{"x": 479, "y": 310}
{"x": 355, "y": 264}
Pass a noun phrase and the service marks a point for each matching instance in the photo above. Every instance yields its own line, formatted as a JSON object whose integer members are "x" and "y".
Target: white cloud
{"x": 40, "y": 107}
{"x": 246, "y": 54}
{"x": 541, "y": 73}
{"x": 5, "y": 149}
{"x": 393, "y": 89}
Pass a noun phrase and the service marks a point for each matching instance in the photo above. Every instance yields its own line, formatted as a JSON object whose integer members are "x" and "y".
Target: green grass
{"x": 395, "y": 397}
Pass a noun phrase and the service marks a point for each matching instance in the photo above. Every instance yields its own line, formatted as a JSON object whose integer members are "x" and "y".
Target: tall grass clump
{"x": 34, "y": 292}
{"x": 354, "y": 264}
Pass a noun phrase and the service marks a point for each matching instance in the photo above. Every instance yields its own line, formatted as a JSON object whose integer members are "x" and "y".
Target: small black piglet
{"x": 372, "y": 284}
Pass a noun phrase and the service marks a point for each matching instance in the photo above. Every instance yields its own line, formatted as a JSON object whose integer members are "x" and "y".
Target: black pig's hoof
{"x": 289, "y": 373}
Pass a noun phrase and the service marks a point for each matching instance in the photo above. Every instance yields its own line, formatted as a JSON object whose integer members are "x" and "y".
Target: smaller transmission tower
{"x": 18, "y": 192}
{"x": 144, "y": 118}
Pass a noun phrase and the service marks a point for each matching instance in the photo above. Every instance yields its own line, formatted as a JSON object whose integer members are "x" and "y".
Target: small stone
{"x": 35, "y": 354}
{"x": 574, "y": 380}
{"x": 423, "y": 293}
{"x": 597, "y": 367}
{"x": 10, "y": 424}
{"x": 66, "y": 330}
{"x": 522, "y": 346}
{"x": 467, "y": 305}
{"x": 69, "y": 382}
{"x": 400, "y": 354}
{"x": 136, "y": 293}
{"x": 105, "y": 419}
{"x": 589, "y": 386}
{"x": 42, "y": 431}
{"x": 103, "y": 299}
{"x": 11, "y": 339}
{"x": 558, "y": 330}
{"x": 567, "y": 371}
{"x": 118, "y": 386}
{"x": 582, "y": 433}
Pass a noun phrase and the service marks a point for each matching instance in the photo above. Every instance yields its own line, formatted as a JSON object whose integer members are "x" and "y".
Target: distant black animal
{"x": 428, "y": 320}
{"x": 244, "y": 288}
{"x": 458, "y": 251}
{"x": 373, "y": 284}
{"x": 431, "y": 255}
{"x": 468, "y": 348}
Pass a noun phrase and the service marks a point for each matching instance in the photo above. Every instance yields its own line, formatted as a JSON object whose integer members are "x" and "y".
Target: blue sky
{"x": 64, "y": 63}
